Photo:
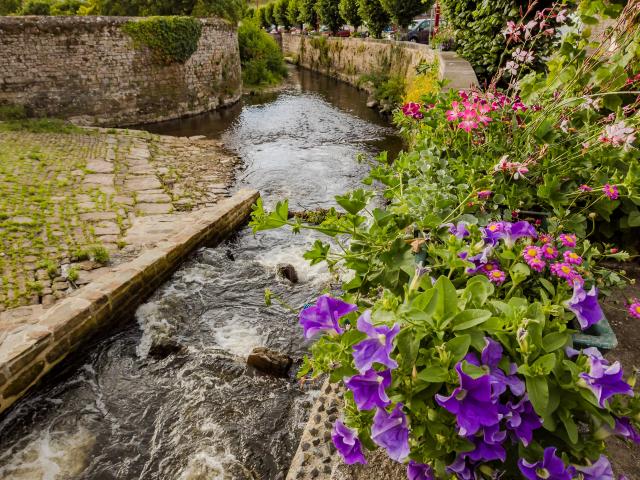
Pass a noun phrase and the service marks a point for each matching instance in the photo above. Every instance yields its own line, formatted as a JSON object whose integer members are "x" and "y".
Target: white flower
{"x": 523, "y": 56}
{"x": 591, "y": 103}
{"x": 512, "y": 67}
{"x": 619, "y": 135}
{"x": 561, "y": 17}
{"x": 564, "y": 125}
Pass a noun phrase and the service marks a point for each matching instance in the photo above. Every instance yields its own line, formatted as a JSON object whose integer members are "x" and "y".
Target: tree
{"x": 308, "y": 13}
{"x": 350, "y": 11}
{"x": 261, "y": 17}
{"x": 294, "y": 12}
{"x": 375, "y": 16}
{"x": 268, "y": 14}
{"x": 329, "y": 14}
{"x": 403, "y": 12}
{"x": 9, "y": 6}
{"x": 281, "y": 13}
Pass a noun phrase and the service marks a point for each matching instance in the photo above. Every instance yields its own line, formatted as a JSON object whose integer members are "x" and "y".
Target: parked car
{"x": 390, "y": 32}
{"x": 343, "y": 32}
{"x": 420, "y": 31}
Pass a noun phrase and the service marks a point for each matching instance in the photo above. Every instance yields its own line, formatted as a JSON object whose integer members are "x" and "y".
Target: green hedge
{"x": 172, "y": 39}
{"x": 260, "y": 55}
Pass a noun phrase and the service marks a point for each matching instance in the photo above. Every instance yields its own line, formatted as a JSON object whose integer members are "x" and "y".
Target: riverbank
{"x": 85, "y": 208}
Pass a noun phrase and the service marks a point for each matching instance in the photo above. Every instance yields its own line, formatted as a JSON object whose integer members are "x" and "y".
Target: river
{"x": 114, "y": 412}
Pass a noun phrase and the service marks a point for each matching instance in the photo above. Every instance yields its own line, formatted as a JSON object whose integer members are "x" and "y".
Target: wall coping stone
{"x": 27, "y": 356}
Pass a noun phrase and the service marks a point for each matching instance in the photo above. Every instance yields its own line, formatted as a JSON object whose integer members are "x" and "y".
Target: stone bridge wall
{"x": 88, "y": 70}
{"x": 349, "y": 59}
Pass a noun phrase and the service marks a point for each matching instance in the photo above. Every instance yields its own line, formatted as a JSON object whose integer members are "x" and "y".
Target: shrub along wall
{"x": 117, "y": 70}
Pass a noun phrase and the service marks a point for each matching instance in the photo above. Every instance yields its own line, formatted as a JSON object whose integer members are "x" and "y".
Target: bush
{"x": 172, "y": 39}
{"x": 12, "y": 112}
{"x": 67, "y": 7}
{"x": 7, "y": 7}
{"x": 260, "y": 56}
{"x": 36, "y": 7}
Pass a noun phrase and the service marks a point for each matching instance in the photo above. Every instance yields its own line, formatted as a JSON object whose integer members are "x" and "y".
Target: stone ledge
{"x": 27, "y": 355}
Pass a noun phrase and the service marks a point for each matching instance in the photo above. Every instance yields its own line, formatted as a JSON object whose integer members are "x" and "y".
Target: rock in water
{"x": 270, "y": 361}
{"x": 288, "y": 271}
{"x": 372, "y": 103}
{"x": 162, "y": 347}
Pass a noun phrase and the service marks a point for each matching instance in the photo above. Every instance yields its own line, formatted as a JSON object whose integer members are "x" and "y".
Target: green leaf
{"x": 318, "y": 252}
{"x": 447, "y": 299}
{"x": 538, "y": 391}
{"x": 547, "y": 285}
{"x": 434, "y": 374}
{"x": 458, "y": 347}
{"x": 555, "y": 340}
{"x": 478, "y": 290}
{"x": 470, "y": 318}
{"x": 569, "y": 425}
{"x": 408, "y": 343}
{"x": 544, "y": 364}
{"x": 354, "y": 202}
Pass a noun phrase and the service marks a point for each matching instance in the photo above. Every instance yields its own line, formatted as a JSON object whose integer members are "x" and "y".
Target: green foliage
{"x": 375, "y": 16}
{"x": 232, "y": 10}
{"x": 171, "y": 39}
{"x": 350, "y": 11}
{"x": 36, "y": 7}
{"x": 269, "y": 13}
{"x": 293, "y": 12}
{"x": 260, "y": 56}
{"x": 99, "y": 253}
{"x": 329, "y": 14}
{"x": 12, "y": 112}
{"x": 261, "y": 17}
{"x": 403, "y": 12}
{"x": 66, "y": 7}
{"x": 281, "y": 13}
{"x": 308, "y": 12}
{"x": 388, "y": 90}
{"x": 39, "y": 125}
{"x": 8, "y": 7}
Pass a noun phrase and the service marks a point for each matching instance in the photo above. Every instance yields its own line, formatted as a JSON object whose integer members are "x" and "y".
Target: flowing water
{"x": 200, "y": 413}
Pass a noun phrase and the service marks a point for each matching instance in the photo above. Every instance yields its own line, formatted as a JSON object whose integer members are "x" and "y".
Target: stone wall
{"x": 28, "y": 355}
{"x": 88, "y": 70}
{"x": 349, "y": 59}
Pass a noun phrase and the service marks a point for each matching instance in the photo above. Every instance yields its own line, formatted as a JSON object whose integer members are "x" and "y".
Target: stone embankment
{"x": 352, "y": 59}
{"x": 32, "y": 349}
{"x": 89, "y": 70}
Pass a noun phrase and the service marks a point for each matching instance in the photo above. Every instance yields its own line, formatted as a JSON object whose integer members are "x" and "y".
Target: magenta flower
{"x": 472, "y": 403}
{"x": 600, "y": 470}
{"x": 521, "y": 419}
{"x": 469, "y": 120}
{"x": 377, "y": 347}
{"x": 549, "y": 251}
{"x": 569, "y": 240}
{"x": 625, "y": 429}
{"x": 585, "y": 188}
{"x": 454, "y": 113}
{"x": 533, "y": 256}
{"x": 546, "y": 238}
{"x": 482, "y": 110}
{"x": 347, "y": 443}
{"x": 563, "y": 270}
{"x": 572, "y": 258}
{"x": 324, "y": 316}
{"x": 412, "y": 109}
{"x": 537, "y": 264}
{"x": 390, "y": 431}
{"x": 634, "y": 308}
{"x": 484, "y": 194}
{"x": 496, "y": 276}
{"x": 605, "y": 380}
{"x": 585, "y": 306}
{"x": 611, "y": 191}
{"x": 419, "y": 471}
{"x": 369, "y": 389}
{"x": 549, "y": 468}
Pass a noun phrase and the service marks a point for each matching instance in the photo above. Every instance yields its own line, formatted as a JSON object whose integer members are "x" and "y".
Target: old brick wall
{"x": 88, "y": 70}
{"x": 349, "y": 59}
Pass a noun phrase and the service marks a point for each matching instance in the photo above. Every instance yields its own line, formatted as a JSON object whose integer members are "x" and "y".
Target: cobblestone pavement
{"x": 73, "y": 205}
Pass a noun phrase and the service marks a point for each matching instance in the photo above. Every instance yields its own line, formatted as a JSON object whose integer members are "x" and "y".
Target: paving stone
{"x": 98, "y": 216}
{"x": 102, "y": 179}
{"x": 153, "y": 198}
{"x": 100, "y": 166}
{"x": 154, "y": 208}
{"x": 107, "y": 228}
{"x": 142, "y": 183}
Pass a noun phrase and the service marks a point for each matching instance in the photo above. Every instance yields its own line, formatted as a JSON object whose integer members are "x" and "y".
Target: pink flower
{"x": 634, "y": 308}
{"x": 519, "y": 106}
{"x": 512, "y": 67}
{"x": 484, "y": 194}
{"x": 572, "y": 258}
{"x": 564, "y": 125}
{"x": 531, "y": 252}
{"x": 563, "y": 270}
{"x": 546, "y": 238}
{"x": 569, "y": 240}
{"x": 496, "y": 276}
{"x": 468, "y": 122}
{"x": 412, "y": 109}
{"x": 610, "y": 191}
{"x": 585, "y": 188}
{"x": 512, "y": 31}
{"x": 618, "y": 135}
{"x": 549, "y": 251}
{"x": 561, "y": 16}
{"x": 523, "y": 56}
{"x": 537, "y": 264}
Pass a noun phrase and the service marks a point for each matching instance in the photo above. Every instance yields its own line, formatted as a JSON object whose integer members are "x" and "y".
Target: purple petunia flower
{"x": 600, "y": 470}
{"x": 462, "y": 468}
{"x": 471, "y": 403}
{"x": 323, "y": 317}
{"x": 491, "y": 357}
{"x": 488, "y": 445}
{"x": 585, "y": 306}
{"x": 458, "y": 230}
{"x": 377, "y": 347}
{"x": 369, "y": 389}
{"x": 509, "y": 232}
{"x": 549, "y": 468}
{"x": 347, "y": 443}
{"x": 624, "y": 428}
{"x": 390, "y": 431}
{"x": 419, "y": 471}
{"x": 521, "y": 419}
{"x": 605, "y": 380}
{"x": 479, "y": 260}
{"x": 493, "y": 232}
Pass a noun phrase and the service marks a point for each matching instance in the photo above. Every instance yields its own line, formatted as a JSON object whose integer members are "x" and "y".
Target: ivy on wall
{"x": 172, "y": 39}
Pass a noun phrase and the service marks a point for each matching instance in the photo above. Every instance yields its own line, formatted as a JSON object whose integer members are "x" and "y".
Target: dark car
{"x": 420, "y": 31}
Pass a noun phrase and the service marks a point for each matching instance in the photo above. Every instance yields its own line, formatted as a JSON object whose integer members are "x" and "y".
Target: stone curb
{"x": 26, "y": 356}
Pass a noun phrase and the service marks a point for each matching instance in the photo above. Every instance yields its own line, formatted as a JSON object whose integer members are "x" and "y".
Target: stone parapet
{"x": 27, "y": 355}
{"x": 88, "y": 70}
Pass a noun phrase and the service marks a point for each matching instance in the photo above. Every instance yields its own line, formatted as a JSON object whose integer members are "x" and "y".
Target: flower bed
{"x": 453, "y": 335}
